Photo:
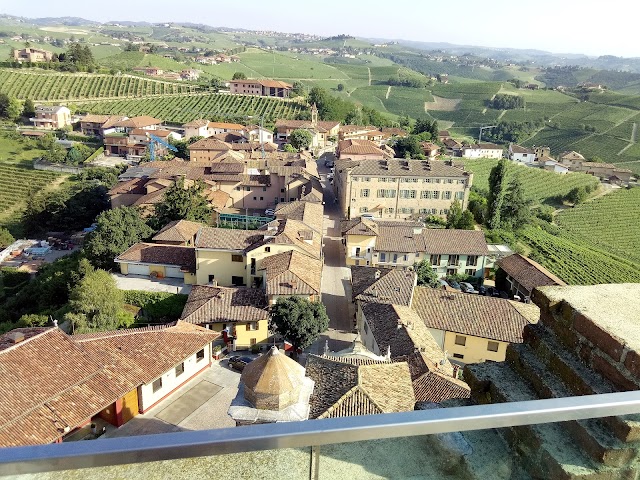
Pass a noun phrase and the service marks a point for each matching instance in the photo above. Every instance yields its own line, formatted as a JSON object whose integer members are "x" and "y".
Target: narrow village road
{"x": 336, "y": 277}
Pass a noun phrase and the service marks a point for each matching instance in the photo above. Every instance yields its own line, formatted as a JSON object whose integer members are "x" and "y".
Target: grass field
{"x": 15, "y": 149}
{"x": 539, "y": 185}
{"x": 594, "y": 222}
{"x": 184, "y": 108}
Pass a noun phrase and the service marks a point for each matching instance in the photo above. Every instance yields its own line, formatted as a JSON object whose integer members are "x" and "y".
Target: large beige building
{"x": 33, "y": 55}
{"x": 399, "y": 189}
{"x": 261, "y": 87}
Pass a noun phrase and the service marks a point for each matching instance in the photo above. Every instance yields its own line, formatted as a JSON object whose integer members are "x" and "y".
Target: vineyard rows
{"x": 539, "y": 185}
{"x": 17, "y": 183}
{"x": 182, "y": 109}
{"x": 611, "y": 222}
{"x": 55, "y": 86}
{"x": 576, "y": 262}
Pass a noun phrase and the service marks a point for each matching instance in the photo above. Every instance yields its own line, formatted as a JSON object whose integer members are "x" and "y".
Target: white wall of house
{"x": 527, "y": 158}
{"x": 443, "y": 265}
{"x": 171, "y": 381}
{"x": 438, "y": 335}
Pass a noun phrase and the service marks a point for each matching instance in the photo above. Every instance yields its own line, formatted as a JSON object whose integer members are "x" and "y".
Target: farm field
{"x": 17, "y": 182}
{"x": 58, "y": 86}
{"x": 594, "y": 222}
{"x": 15, "y": 149}
{"x": 577, "y": 262}
{"x": 539, "y": 185}
{"x": 184, "y": 108}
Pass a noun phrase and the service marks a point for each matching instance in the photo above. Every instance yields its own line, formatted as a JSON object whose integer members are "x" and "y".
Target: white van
{"x": 368, "y": 216}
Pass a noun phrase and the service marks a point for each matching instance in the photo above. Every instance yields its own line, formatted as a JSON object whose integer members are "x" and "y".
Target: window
{"x": 383, "y": 257}
{"x": 454, "y": 259}
{"x": 180, "y": 369}
{"x": 237, "y": 281}
{"x": 425, "y": 194}
{"x": 200, "y": 355}
{"x": 266, "y": 249}
{"x": 211, "y": 278}
{"x": 447, "y": 195}
{"x": 426, "y": 180}
{"x": 472, "y": 260}
{"x": 493, "y": 346}
{"x": 470, "y": 272}
{"x": 436, "y": 194}
{"x": 406, "y": 210}
{"x": 366, "y": 179}
{"x": 436, "y": 180}
{"x": 462, "y": 182}
{"x": 156, "y": 385}
{"x": 255, "y": 198}
{"x": 449, "y": 180}
{"x": 238, "y": 188}
{"x": 261, "y": 198}
{"x": 236, "y": 258}
{"x": 282, "y": 190}
{"x": 292, "y": 199}
{"x": 407, "y": 194}
{"x": 395, "y": 258}
{"x": 458, "y": 355}
{"x": 389, "y": 210}
{"x": 364, "y": 192}
{"x": 252, "y": 326}
{"x": 435, "y": 259}
{"x": 282, "y": 199}
{"x": 264, "y": 189}
{"x": 364, "y": 209}
{"x": 247, "y": 189}
{"x": 406, "y": 257}
{"x": 382, "y": 193}
{"x": 461, "y": 340}
{"x": 252, "y": 342}
{"x": 459, "y": 195}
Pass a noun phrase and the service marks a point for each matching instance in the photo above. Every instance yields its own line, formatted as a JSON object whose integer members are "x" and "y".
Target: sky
{"x": 559, "y": 26}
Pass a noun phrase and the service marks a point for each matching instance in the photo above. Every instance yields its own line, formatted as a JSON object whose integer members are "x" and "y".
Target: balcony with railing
{"x": 469, "y": 442}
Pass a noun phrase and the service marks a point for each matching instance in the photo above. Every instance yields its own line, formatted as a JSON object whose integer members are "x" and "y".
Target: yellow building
{"x": 238, "y": 313}
{"x": 472, "y": 328}
{"x": 402, "y": 244}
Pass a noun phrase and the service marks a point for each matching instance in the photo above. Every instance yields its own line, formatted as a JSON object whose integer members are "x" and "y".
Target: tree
{"x": 496, "y": 194}
{"x": 405, "y": 122}
{"x": 116, "y": 230}
{"x": 10, "y": 107}
{"x": 425, "y": 273}
{"x": 6, "y": 238}
{"x": 459, "y": 219}
{"x": 216, "y": 84}
{"x": 300, "y": 139}
{"x": 298, "y": 320}
{"x": 183, "y": 203}
{"x": 95, "y": 303}
{"x": 287, "y": 147}
{"x": 239, "y": 76}
{"x": 515, "y": 208}
{"x": 340, "y": 87}
{"x": 577, "y": 195}
{"x": 408, "y": 147}
{"x": 424, "y": 125}
{"x": 77, "y": 154}
{"x": 298, "y": 89}
{"x": 28, "y": 109}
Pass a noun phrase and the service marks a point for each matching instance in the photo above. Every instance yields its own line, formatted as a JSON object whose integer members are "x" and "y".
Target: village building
{"x": 32, "y": 55}
{"x": 99, "y": 125}
{"x": 51, "y": 117}
{"x": 482, "y": 150}
{"x": 396, "y": 244}
{"x": 261, "y": 87}
{"x": 399, "y": 189}
{"x": 522, "y": 275}
{"x": 321, "y": 131}
{"x": 362, "y": 150}
{"x": 520, "y": 154}
{"x": 105, "y": 378}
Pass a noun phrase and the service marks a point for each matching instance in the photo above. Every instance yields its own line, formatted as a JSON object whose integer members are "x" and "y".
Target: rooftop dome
{"x": 273, "y": 381}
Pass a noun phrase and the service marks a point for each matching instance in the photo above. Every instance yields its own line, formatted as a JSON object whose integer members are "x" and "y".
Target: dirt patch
{"x": 442, "y": 104}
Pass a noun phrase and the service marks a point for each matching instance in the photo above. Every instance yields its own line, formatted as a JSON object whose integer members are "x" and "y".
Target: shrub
{"x": 157, "y": 307}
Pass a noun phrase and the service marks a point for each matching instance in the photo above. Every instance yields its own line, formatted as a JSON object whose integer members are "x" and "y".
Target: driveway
{"x": 140, "y": 282}
{"x": 201, "y": 404}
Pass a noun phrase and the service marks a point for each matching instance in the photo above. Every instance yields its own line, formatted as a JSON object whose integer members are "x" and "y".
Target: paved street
{"x": 336, "y": 277}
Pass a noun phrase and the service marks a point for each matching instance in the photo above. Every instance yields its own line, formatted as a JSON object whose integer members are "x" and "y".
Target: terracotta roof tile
{"x": 391, "y": 285}
{"x": 153, "y": 253}
{"x": 201, "y": 122}
{"x": 227, "y": 239}
{"x": 177, "y": 231}
{"x": 527, "y": 273}
{"x": 433, "y": 387}
{"x": 207, "y": 304}
{"x": 476, "y": 315}
{"x": 134, "y": 186}
{"x": 309, "y": 213}
{"x": 292, "y": 273}
{"x": 138, "y": 122}
{"x": 396, "y": 167}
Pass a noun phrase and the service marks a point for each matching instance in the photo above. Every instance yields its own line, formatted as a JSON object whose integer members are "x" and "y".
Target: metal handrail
{"x": 169, "y": 446}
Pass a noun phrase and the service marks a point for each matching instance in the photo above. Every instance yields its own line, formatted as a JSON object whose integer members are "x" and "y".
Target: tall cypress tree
{"x": 496, "y": 194}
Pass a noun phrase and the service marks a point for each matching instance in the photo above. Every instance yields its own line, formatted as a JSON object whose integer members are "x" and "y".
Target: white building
{"x": 482, "y": 150}
{"x": 521, "y": 154}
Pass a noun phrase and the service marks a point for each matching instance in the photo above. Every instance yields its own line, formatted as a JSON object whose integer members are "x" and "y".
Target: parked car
{"x": 329, "y": 163}
{"x": 454, "y": 284}
{"x": 442, "y": 283}
{"x": 368, "y": 216}
{"x": 492, "y": 292}
{"x": 482, "y": 290}
{"x": 330, "y": 176}
{"x": 238, "y": 363}
{"x": 270, "y": 212}
{"x": 467, "y": 287}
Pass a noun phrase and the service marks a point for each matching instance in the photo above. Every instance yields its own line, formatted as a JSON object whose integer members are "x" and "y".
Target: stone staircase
{"x": 565, "y": 354}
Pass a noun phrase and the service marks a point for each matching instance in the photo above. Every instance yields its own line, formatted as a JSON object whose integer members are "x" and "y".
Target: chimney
{"x": 15, "y": 337}
{"x": 214, "y": 283}
{"x": 417, "y": 230}
{"x": 377, "y": 274}
{"x": 388, "y": 355}
{"x": 55, "y": 322}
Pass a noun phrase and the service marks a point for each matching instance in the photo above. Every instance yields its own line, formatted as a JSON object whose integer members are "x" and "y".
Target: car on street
{"x": 482, "y": 290}
{"x": 329, "y": 163}
{"x": 270, "y": 212}
{"x": 454, "y": 284}
{"x": 442, "y": 283}
{"x": 238, "y": 363}
{"x": 467, "y": 287}
{"x": 493, "y": 292}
